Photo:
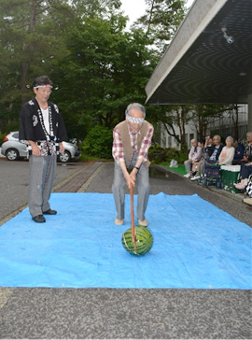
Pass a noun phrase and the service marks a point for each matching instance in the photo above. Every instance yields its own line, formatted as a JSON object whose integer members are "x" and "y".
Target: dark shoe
{"x": 39, "y": 219}
{"x": 50, "y": 212}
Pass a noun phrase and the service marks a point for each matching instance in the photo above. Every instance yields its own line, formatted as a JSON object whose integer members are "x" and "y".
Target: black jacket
{"x": 30, "y": 127}
{"x": 211, "y": 149}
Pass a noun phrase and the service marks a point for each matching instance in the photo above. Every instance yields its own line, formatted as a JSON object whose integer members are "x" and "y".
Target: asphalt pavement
{"x": 49, "y": 313}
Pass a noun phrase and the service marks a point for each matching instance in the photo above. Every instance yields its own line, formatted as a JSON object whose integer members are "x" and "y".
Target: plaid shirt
{"x": 248, "y": 151}
{"x": 118, "y": 151}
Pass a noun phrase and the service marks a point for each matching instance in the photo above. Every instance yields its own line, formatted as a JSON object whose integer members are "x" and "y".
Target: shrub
{"x": 2, "y": 135}
{"x": 98, "y": 142}
{"x": 160, "y": 155}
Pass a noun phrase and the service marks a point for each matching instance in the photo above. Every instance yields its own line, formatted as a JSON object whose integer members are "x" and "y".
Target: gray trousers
{"x": 143, "y": 188}
{"x": 42, "y": 174}
{"x": 188, "y": 166}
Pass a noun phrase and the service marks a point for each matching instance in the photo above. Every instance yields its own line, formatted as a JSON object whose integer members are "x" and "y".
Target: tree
{"x": 203, "y": 116}
{"x": 96, "y": 8}
{"x": 97, "y": 66}
{"x": 235, "y": 119}
{"x": 172, "y": 117}
{"x": 106, "y": 69}
{"x": 161, "y": 21}
{"x": 30, "y": 44}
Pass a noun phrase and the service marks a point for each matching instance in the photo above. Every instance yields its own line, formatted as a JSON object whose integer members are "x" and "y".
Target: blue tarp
{"x": 196, "y": 245}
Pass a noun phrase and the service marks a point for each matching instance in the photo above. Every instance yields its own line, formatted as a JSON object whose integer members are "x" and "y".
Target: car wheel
{"x": 65, "y": 157}
{"x": 12, "y": 154}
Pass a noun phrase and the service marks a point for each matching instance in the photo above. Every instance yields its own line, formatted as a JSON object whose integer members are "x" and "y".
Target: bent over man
{"x": 131, "y": 142}
{"x": 43, "y": 130}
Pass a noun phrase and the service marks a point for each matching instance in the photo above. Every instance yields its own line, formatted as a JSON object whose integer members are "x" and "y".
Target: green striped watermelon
{"x": 144, "y": 240}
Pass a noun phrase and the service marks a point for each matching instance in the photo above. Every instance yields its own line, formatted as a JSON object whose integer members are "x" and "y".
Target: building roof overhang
{"x": 209, "y": 61}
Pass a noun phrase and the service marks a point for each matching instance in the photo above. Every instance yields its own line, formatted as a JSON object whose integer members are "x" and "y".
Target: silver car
{"x": 13, "y": 149}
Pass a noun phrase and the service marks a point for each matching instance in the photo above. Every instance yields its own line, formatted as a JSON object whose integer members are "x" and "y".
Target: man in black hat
{"x": 42, "y": 129}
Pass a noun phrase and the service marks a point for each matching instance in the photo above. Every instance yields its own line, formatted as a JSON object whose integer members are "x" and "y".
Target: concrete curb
{"x": 236, "y": 197}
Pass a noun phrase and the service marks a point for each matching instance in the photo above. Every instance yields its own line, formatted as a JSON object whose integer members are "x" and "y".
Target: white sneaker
{"x": 143, "y": 223}
{"x": 187, "y": 175}
{"x": 119, "y": 222}
{"x": 195, "y": 178}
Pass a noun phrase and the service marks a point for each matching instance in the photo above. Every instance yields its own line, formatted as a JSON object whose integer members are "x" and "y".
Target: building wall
{"x": 223, "y": 126}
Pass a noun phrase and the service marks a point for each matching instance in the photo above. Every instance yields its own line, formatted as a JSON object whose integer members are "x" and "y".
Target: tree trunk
{"x": 235, "y": 119}
{"x": 182, "y": 125}
{"x": 30, "y": 48}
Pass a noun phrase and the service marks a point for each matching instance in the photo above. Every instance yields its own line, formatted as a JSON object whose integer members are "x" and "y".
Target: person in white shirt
{"x": 193, "y": 157}
{"x": 227, "y": 153}
{"x": 42, "y": 129}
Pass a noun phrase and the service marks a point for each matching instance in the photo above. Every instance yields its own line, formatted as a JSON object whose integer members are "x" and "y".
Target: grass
{"x": 180, "y": 168}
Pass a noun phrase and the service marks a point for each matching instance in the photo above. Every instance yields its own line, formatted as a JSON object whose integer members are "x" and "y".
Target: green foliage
{"x": 159, "y": 155}
{"x": 98, "y": 142}
{"x": 87, "y": 158}
{"x": 2, "y": 135}
{"x": 105, "y": 70}
{"x": 97, "y": 67}
{"x": 203, "y": 116}
{"x": 161, "y": 21}
{"x": 30, "y": 45}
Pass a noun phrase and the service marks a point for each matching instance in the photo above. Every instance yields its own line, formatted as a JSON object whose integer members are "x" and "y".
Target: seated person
{"x": 211, "y": 154}
{"x": 239, "y": 151}
{"x": 215, "y": 150}
{"x": 227, "y": 153}
{"x": 196, "y": 165}
{"x": 193, "y": 157}
{"x": 246, "y": 165}
{"x": 247, "y": 148}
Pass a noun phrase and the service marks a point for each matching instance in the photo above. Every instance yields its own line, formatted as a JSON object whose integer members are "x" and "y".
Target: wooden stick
{"x": 132, "y": 215}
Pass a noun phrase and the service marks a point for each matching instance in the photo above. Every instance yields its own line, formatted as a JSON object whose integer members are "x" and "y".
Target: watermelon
{"x": 144, "y": 240}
